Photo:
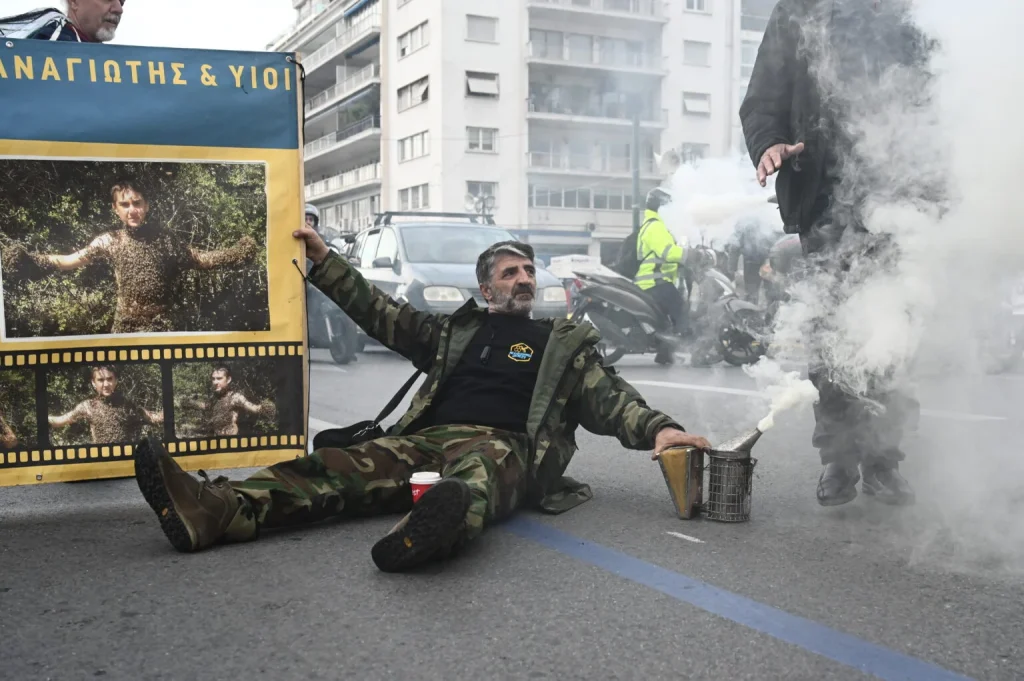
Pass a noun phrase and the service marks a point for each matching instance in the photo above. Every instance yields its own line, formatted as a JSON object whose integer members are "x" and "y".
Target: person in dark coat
{"x": 818, "y": 63}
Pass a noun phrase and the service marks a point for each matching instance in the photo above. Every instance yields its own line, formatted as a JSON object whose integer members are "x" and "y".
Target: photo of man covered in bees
{"x": 18, "y": 425}
{"x": 104, "y": 404}
{"x": 97, "y": 248}
{"x": 237, "y": 398}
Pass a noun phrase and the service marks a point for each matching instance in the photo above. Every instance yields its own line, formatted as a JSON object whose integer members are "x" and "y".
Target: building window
{"x": 698, "y": 6}
{"x": 414, "y": 93}
{"x": 597, "y": 199}
{"x": 414, "y": 146}
{"x": 482, "y": 190}
{"x": 696, "y": 104}
{"x": 482, "y": 139}
{"x": 692, "y": 151}
{"x": 696, "y": 53}
{"x": 481, "y": 29}
{"x": 748, "y": 55}
{"x": 412, "y": 40}
{"x": 414, "y": 198}
{"x": 480, "y": 84}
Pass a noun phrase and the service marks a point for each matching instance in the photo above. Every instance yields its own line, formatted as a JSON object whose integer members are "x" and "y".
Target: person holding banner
{"x": 87, "y": 21}
{"x": 496, "y": 417}
{"x": 147, "y": 260}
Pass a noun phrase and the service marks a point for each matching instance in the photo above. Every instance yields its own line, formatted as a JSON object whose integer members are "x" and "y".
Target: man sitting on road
{"x": 496, "y": 417}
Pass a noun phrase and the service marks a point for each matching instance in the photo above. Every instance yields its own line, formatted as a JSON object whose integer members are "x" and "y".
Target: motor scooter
{"x": 722, "y": 325}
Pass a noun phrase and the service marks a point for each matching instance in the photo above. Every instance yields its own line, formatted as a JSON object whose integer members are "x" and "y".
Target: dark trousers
{"x": 848, "y": 429}
{"x": 670, "y": 299}
{"x": 752, "y": 279}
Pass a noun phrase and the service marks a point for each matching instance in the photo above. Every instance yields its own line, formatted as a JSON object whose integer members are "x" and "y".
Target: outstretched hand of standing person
{"x": 316, "y": 248}
{"x": 772, "y": 158}
{"x": 673, "y": 437}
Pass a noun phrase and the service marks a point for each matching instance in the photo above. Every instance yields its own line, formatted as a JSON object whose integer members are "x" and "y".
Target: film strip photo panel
{"x": 84, "y": 406}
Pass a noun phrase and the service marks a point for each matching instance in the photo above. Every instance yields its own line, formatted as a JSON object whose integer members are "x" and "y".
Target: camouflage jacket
{"x": 573, "y": 387}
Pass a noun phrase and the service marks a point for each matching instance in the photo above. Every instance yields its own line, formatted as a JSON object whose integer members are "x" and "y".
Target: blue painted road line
{"x": 842, "y": 648}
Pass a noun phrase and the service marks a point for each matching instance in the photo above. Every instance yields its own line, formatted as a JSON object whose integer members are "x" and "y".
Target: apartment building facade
{"x": 419, "y": 104}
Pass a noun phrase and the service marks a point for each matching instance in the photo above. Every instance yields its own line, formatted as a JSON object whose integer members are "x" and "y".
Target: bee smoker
{"x": 730, "y": 472}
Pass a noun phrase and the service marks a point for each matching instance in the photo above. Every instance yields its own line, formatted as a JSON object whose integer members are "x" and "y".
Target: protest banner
{"x": 148, "y": 281}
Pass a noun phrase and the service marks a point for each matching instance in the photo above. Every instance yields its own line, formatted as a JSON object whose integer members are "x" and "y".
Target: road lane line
{"x": 318, "y": 425}
{"x": 696, "y": 387}
{"x": 845, "y": 649}
{"x": 686, "y": 537}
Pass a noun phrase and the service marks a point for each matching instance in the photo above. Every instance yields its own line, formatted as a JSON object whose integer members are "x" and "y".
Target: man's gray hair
{"x": 485, "y": 263}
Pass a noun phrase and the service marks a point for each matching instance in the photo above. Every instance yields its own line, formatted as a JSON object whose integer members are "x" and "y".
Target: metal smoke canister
{"x": 683, "y": 470}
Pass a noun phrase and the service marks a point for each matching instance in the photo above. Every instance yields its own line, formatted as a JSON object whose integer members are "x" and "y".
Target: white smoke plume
{"x": 711, "y": 196}
{"x": 939, "y": 181}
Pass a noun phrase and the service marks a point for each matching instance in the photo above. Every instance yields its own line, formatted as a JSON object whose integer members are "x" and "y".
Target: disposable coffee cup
{"x": 421, "y": 482}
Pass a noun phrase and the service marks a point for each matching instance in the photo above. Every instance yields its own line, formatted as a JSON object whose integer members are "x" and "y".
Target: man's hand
{"x": 673, "y": 437}
{"x": 316, "y": 249}
{"x": 772, "y": 159}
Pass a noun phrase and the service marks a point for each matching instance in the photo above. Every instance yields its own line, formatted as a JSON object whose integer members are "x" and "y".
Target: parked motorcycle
{"x": 724, "y": 327}
{"x": 328, "y": 327}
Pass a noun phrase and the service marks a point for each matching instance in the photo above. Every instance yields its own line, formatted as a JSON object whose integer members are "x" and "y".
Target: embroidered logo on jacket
{"x": 520, "y": 352}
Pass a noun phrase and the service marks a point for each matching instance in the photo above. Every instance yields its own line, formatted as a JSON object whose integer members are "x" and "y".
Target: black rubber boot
{"x": 885, "y": 484}
{"x": 433, "y": 530}
{"x": 837, "y": 485}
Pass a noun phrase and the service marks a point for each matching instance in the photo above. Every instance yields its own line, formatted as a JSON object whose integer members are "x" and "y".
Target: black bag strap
{"x": 397, "y": 399}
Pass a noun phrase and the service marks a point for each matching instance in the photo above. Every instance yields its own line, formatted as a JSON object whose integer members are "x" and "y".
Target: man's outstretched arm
{"x": 96, "y": 249}
{"x": 7, "y": 436}
{"x": 242, "y": 252}
{"x": 153, "y": 418}
{"x": 79, "y": 413}
{"x": 240, "y": 401}
{"x": 412, "y": 333}
{"x": 605, "y": 404}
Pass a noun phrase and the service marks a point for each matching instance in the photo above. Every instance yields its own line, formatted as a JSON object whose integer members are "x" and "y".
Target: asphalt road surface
{"x": 619, "y": 588}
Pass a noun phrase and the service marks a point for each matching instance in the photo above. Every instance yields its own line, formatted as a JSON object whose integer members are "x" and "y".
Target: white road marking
{"x": 696, "y": 387}
{"x": 329, "y": 368}
{"x": 686, "y": 537}
{"x": 318, "y": 425}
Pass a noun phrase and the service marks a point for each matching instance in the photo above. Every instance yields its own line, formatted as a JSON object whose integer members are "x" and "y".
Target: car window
{"x": 357, "y": 248}
{"x": 369, "y": 248}
{"x": 449, "y": 243}
{"x": 388, "y": 246}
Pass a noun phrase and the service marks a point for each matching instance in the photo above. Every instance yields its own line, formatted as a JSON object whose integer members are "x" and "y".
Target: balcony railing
{"x": 339, "y": 44}
{"x": 587, "y": 163}
{"x": 619, "y": 112}
{"x": 595, "y": 56}
{"x": 351, "y": 178}
{"x": 335, "y": 138}
{"x": 348, "y": 225}
{"x": 644, "y": 8}
{"x": 344, "y": 88}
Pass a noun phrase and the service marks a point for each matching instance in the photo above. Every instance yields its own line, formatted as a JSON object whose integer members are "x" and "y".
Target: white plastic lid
{"x": 425, "y": 478}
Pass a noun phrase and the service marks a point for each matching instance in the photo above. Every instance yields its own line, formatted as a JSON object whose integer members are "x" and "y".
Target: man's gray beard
{"x": 509, "y": 304}
{"x": 105, "y": 34}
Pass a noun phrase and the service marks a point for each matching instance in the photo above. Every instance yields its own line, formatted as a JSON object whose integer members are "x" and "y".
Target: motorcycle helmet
{"x": 315, "y": 212}
{"x": 658, "y": 197}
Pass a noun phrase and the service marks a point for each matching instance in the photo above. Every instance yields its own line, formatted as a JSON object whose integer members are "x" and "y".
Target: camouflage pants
{"x": 372, "y": 478}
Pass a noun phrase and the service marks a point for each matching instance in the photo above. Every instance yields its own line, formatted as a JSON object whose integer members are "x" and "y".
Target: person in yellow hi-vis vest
{"x": 659, "y": 257}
